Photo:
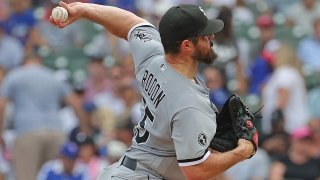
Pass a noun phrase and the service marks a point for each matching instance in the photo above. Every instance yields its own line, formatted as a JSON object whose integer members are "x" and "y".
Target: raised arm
{"x": 115, "y": 20}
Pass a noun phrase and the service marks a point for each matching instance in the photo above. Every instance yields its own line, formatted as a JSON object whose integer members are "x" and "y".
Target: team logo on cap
{"x": 202, "y": 11}
{"x": 202, "y": 139}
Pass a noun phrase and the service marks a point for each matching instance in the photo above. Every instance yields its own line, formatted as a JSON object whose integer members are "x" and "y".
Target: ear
{"x": 186, "y": 45}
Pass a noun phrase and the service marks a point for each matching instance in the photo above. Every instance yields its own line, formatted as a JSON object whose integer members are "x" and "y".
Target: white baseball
{"x": 59, "y": 14}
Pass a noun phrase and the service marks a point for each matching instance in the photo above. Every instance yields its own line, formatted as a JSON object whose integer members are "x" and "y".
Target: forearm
{"x": 217, "y": 163}
{"x": 220, "y": 162}
{"x": 115, "y": 20}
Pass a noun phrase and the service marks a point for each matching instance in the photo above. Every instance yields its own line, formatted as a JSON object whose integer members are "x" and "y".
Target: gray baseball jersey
{"x": 178, "y": 117}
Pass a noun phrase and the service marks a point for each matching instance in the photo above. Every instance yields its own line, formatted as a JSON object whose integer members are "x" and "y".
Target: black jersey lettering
{"x": 152, "y": 88}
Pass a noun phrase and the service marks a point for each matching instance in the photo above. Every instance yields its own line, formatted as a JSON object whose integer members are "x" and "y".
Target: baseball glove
{"x": 234, "y": 121}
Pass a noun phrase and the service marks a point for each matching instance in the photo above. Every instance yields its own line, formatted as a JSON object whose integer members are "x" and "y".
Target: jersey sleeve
{"x": 192, "y": 131}
{"x": 145, "y": 42}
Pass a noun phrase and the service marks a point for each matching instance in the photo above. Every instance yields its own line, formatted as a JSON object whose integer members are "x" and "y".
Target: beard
{"x": 204, "y": 57}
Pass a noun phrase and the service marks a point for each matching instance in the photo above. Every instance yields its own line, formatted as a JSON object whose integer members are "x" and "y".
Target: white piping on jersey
{"x": 205, "y": 157}
{"x": 137, "y": 25}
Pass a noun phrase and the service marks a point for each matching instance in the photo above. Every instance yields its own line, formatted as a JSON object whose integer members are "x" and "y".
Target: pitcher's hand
{"x": 75, "y": 12}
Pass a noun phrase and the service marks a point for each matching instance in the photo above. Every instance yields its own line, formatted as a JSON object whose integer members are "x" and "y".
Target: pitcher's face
{"x": 204, "y": 52}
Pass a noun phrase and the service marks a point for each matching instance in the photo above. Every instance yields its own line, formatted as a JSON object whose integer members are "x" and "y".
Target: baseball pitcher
{"x": 179, "y": 122}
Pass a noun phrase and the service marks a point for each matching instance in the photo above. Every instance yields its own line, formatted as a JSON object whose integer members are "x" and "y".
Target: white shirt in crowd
{"x": 295, "y": 112}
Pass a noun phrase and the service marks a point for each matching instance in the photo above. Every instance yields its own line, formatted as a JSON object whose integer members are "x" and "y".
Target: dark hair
{"x": 225, "y": 15}
{"x": 173, "y": 47}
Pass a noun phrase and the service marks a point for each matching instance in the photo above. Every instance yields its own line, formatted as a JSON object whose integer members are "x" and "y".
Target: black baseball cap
{"x": 185, "y": 21}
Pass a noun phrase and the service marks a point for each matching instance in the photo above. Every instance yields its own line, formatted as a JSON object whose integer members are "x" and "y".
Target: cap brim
{"x": 214, "y": 26}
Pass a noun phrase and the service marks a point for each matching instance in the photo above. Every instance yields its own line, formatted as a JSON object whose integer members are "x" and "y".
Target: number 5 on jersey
{"x": 142, "y": 134}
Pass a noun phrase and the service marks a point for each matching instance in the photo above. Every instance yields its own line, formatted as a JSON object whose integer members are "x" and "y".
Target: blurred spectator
{"x": 247, "y": 170}
{"x": 128, "y": 5}
{"x": 4, "y": 11}
{"x": 297, "y": 164}
{"x": 242, "y": 14}
{"x": 101, "y": 2}
{"x": 4, "y": 165}
{"x": 88, "y": 155}
{"x": 124, "y": 122}
{"x": 285, "y": 91}
{"x": 103, "y": 119}
{"x": 3, "y": 72}
{"x": 102, "y": 89}
{"x": 37, "y": 97}
{"x": 314, "y": 125}
{"x": 153, "y": 9}
{"x": 220, "y": 3}
{"x": 129, "y": 96}
{"x": 110, "y": 100}
{"x": 266, "y": 27}
{"x": 128, "y": 69}
{"x": 215, "y": 81}
{"x": 277, "y": 142}
{"x": 11, "y": 51}
{"x": 261, "y": 67}
{"x": 124, "y": 131}
{"x": 308, "y": 49}
{"x": 106, "y": 44}
{"x": 276, "y": 5}
{"x": 78, "y": 136}
{"x": 21, "y": 23}
{"x": 67, "y": 113}
{"x": 97, "y": 81}
{"x": 65, "y": 167}
{"x": 302, "y": 13}
{"x": 226, "y": 47}
{"x": 115, "y": 150}
{"x": 313, "y": 102}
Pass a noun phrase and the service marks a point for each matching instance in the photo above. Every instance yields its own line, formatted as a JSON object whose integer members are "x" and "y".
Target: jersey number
{"x": 145, "y": 136}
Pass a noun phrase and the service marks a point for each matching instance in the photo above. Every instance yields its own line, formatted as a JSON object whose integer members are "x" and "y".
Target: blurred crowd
{"x": 69, "y": 98}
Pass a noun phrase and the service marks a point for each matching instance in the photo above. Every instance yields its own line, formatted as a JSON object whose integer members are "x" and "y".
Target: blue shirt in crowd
{"x": 11, "y": 52}
{"x": 53, "y": 170}
{"x": 260, "y": 72}
{"x": 308, "y": 52}
{"x": 37, "y": 97}
{"x": 20, "y": 24}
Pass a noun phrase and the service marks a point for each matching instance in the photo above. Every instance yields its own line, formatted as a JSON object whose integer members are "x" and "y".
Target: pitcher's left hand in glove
{"x": 234, "y": 122}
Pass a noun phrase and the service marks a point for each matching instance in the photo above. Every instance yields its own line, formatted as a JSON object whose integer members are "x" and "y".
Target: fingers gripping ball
{"x": 59, "y": 14}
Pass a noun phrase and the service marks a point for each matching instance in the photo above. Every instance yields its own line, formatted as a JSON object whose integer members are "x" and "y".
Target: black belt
{"x": 129, "y": 163}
